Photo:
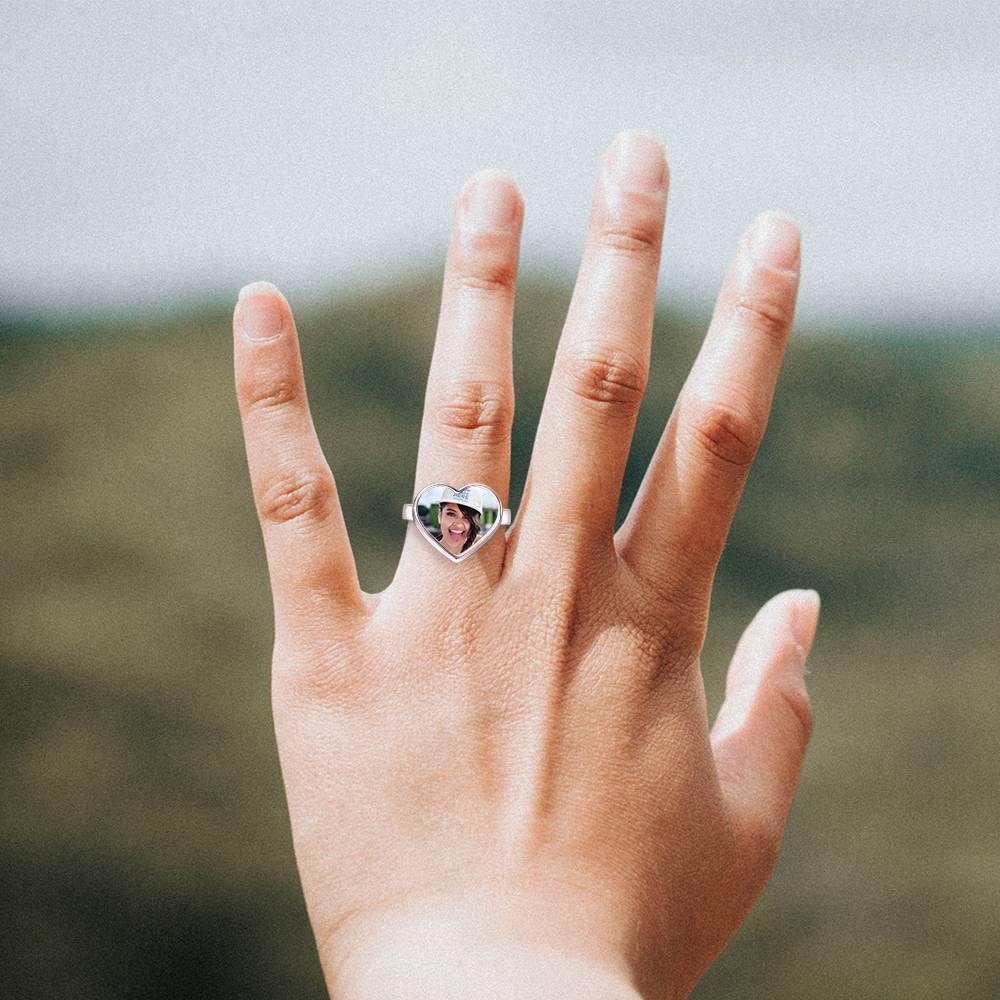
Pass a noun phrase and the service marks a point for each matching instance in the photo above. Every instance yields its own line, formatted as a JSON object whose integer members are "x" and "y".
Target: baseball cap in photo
{"x": 468, "y": 496}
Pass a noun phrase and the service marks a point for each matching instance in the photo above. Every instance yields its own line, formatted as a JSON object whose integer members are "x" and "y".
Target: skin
{"x": 455, "y": 528}
{"x": 525, "y": 798}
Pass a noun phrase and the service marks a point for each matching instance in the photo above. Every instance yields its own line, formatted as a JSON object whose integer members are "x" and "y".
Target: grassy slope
{"x": 144, "y": 840}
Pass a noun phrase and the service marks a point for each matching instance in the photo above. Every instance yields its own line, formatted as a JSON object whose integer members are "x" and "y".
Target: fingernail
{"x": 636, "y": 162}
{"x": 257, "y": 286}
{"x": 803, "y": 621}
{"x": 774, "y": 241}
{"x": 490, "y": 202}
{"x": 262, "y": 317}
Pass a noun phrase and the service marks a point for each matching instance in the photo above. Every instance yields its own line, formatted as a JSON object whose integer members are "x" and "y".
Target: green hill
{"x": 145, "y": 849}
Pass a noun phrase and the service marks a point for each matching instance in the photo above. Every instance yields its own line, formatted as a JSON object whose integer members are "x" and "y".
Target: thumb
{"x": 760, "y": 734}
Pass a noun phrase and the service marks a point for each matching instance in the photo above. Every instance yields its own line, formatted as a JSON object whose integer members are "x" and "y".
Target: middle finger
{"x": 602, "y": 361}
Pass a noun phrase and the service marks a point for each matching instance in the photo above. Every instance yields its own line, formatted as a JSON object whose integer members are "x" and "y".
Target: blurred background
{"x": 156, "y": 157}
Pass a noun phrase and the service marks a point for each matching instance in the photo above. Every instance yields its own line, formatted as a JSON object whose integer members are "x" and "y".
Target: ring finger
{"x": 469, "y": 403}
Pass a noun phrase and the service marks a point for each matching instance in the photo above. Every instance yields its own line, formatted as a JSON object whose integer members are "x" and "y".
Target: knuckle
{"x": 477, "y": 412}
{"x": 607, "y": 378}
{"x": 303, "y": 497}
{"x": 766, "y": 313}
{"x": 636, "y": 239}
{"x": 487, "y": 276}
{"x": 727, "y": 432}
{"x": 270, "y": 393}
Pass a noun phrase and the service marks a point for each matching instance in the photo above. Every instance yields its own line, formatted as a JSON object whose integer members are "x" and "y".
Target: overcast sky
{"x": 156, "y": 151}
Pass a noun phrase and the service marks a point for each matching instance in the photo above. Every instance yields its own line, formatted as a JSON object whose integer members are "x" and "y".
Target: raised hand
{"x": 500, "y": 774}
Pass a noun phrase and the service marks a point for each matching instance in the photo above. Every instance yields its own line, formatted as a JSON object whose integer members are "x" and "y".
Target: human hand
{"x": 500, "y": 774}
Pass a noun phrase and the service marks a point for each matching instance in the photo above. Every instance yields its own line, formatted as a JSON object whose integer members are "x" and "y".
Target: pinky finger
{"x": 305, "y": 538}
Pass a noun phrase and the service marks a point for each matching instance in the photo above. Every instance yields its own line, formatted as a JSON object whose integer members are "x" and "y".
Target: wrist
{"x": 452, "y": 950}
{"x": 419, "y": 966}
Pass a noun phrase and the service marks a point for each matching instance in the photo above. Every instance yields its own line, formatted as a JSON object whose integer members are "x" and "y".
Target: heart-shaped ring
{"x": 457, "y": 522}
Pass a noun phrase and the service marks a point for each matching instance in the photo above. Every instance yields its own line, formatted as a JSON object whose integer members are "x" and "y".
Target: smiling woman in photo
{"x": 460, "y": 525}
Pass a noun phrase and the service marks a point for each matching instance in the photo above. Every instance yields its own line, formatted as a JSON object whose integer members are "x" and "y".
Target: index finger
{"x": 305, "y": 538}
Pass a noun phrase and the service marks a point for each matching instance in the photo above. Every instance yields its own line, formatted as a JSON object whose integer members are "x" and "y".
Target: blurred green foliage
{"x": 145, "y": 843}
